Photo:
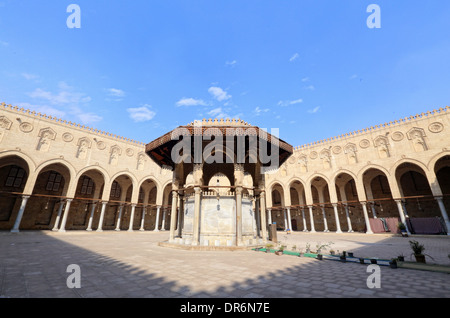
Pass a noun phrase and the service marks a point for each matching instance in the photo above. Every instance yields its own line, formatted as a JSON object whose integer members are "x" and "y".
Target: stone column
{"x": 173, "y": 215}
{"x": 257, "y": 213}
{"x": 133, "y": 208}
{"x": 65, "y": 215}
{"x": 311, "y": 217}
{"x": 402, "y": 215}
{"x": 91, "y": 217}
{"x": 366, "y": 218}
{"x": 58, "y": 216}
{"x": 119, "y": 218}
{"x": 269, "y": 214}
{"x": 102, "y": 216}
{"x": 196, "y": 222}
{"x": 288, "y": 215}
{"x": 180, "y": 214}
{"x": 163, "y": 224}
{"x": 444, "y": 213}
{"x": 349, "y": 222}
{"x": 263, "y": 216}
{"x": 374, "y": 212}
{"x": 144, "y": 210}
{"x": 16, "y": 226}
{"x": 336, "y": 215}
{"x": 285, "y": 219}
{"x": 325, "y": 223}
{"x": 305, "y": 228}
{"x": 239, "y": 241}
{"x": 158, "y": 209}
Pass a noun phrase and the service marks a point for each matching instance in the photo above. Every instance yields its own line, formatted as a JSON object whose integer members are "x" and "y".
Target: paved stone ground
{"x": 34, "y": 264}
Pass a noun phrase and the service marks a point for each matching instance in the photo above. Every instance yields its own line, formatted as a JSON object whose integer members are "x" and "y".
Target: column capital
{"x": 334, "y": 205}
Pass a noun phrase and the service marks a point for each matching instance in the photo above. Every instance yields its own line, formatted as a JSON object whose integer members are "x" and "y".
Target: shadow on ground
{"x": 34, "y": 264}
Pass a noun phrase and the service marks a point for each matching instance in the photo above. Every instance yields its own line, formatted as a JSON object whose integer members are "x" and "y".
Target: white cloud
{"x": 258, "y": 110}
{"x": 294, "y": 57}
{"x": 305, "y": 79}
{"x": 140, "y": 114}
{"x": 353, "y": 76}
{"x": 29, "y": 76}
{"x": 290, "y": 102}
{"x": 232, "y": 63}
{"x": 310, "y": 87}
{"x": 89, "y": 118}
{"x": 218, "y": 113}
{"x": 3, "y": 43}
{"x": 190, "y": 102}
{"x": 218, "y": 93}
{"x": 116, "y": 92}
{"x": 43, "y": 109}
{"x": 65, "y": 96}
{"x": 315, "y": 110}
{"x": 65, "y": 102}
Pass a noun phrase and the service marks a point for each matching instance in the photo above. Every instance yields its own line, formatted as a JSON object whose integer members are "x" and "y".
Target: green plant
{"x": 401, "y": 226}
{"x": 320, "y": 246}
{"x": 294, "y": 248}
{"x": 308, "y": 247}
{"x": 417, "y": 247}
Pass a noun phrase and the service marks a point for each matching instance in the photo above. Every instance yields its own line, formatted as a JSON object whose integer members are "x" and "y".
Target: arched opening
{"x": 85, "y": 204}
{"x": 442, "y": 170}
{"x": 299, "y": 218}
{"x": 14, "y": 173}
{"x": 421, "y": 209}
{"x": 278, "y": 213}
{"x": 46, "y": 200}
{"x": 118, "y": 209}
{"x": 323, "y": 210}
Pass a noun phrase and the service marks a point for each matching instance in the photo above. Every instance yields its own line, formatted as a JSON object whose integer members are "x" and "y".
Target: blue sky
{"x": 311, "y": 68}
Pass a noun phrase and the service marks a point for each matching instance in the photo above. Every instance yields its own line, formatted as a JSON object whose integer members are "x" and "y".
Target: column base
{"x": 89, "y": 230}
{"x": 117, "y": 230}
{"x": 130, "y": 230}
{"x": 369, "y": 232}
{"x": 54, "y": 230}
{"x": 62, "y": 231}
{"x": 350, "y": 231}
{"x": 15, "y": 231}
{"x": 155, "y": 230}
{"x": 339, "y": 232}
{"x": 99, "y": 230}
{"x": 142, "y": 230}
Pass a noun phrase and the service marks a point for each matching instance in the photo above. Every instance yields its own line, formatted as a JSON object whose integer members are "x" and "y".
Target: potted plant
{"x": 319, "y": 257}
{"x": 418, "y": 249}
{"x": 332, "y": 252}
{"x": 280, "y": 250}
{"x": 300, "y": 253}
{"x": 268, "y": 247}
{"x": 401, "y": 258}
{"x": 361, "y": 260}
{"x": 393, "y": 263}
{"x": 373, "y": 260}
{"x": 308, "y": 248}
{"x": 402, "y": 227}
{"x": 343, "y": 258}
{"x": 350, "y": 254}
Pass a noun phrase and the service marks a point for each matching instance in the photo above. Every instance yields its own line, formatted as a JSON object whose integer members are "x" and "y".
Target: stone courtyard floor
{"x": 132, "y": 265}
